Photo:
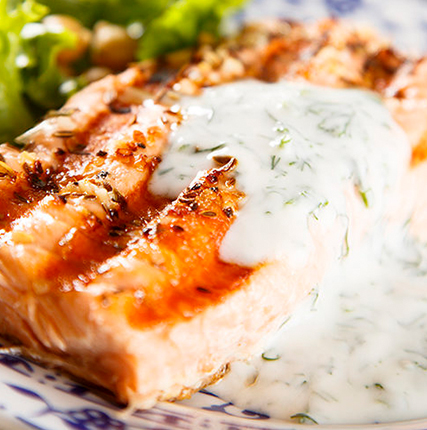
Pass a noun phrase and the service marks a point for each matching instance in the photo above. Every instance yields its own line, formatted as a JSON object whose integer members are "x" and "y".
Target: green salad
{"x": 51, "y": 48}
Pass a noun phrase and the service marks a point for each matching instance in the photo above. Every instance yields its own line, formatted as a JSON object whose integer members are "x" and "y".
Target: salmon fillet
{"x": 127, "y": 289}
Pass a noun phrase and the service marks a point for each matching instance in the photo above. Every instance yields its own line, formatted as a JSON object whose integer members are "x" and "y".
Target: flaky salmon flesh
{"x": 126, "y": 289}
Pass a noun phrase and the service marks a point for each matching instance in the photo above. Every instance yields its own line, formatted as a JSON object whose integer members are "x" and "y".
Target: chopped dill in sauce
{"x": 300, "y": 150}
{"x": 303, "y": 418}
{"x": 269, "y": 356}
{"x": 361, "y": 357}
{"x": 297, "y": 146}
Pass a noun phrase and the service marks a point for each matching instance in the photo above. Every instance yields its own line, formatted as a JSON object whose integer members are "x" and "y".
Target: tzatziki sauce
{"x": 356, "y": 350}
{"x": 297, "y": 146}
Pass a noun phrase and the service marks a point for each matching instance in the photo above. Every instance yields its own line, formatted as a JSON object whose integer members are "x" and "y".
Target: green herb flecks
{"x": 183, "y": 147}
{"x": 300, "y": 164}
{"x": 285, "y": 322}
{"x": 345, "y": 246}
{"x": 272, "y": 117}
{"x": 165, "y": 171}
{"x": 420, "y": 366}
{"x": 365, "y": 196}
{"x": 379, "y": 386}
{"x": 281, "y": 129}
{"x": 285, "y": 139}
{"x": 303, "y": 418}
{"x": 315, "y": 211}
{"x": 337, "y": 125}
{"x": 274, "y": 161}
{"x": 197, "y": 150}
{"x": 268, "y": 356}
{"x": 336, "y": 118}
{"x": 315, "y": 293}
{"x": 303, "y": 193}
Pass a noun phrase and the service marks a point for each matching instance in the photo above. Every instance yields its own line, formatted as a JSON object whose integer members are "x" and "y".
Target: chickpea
{"x": 61, "y": 22}
{"x": 112, "y": 46}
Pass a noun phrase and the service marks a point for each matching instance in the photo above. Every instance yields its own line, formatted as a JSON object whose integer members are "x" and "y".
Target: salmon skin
{"x": 126, "y": 289}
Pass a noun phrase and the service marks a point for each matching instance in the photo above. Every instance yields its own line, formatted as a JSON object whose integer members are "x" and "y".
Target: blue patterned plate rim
{"x": 28, "y": 393}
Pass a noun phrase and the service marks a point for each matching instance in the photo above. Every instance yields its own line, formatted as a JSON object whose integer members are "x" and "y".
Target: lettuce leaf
{"x": 41, "y": 76}
{"x": 114, "y": 11}
{"x": 14, "y": 113}
{"x": 180, "y": 25}
{"x": 29, "y": 77}
{"x": 30, "y": 80}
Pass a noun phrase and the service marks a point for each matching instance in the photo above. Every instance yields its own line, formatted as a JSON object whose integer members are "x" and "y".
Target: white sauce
{"x": 356, "y": 352}
{"x": 297, "y": 146}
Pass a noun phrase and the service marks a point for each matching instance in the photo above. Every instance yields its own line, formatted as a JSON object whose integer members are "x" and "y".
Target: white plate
{"x": 32, "y": 397}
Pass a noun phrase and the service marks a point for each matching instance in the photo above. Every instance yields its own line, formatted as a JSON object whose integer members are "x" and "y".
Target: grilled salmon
{"x": 127, "y": 289}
